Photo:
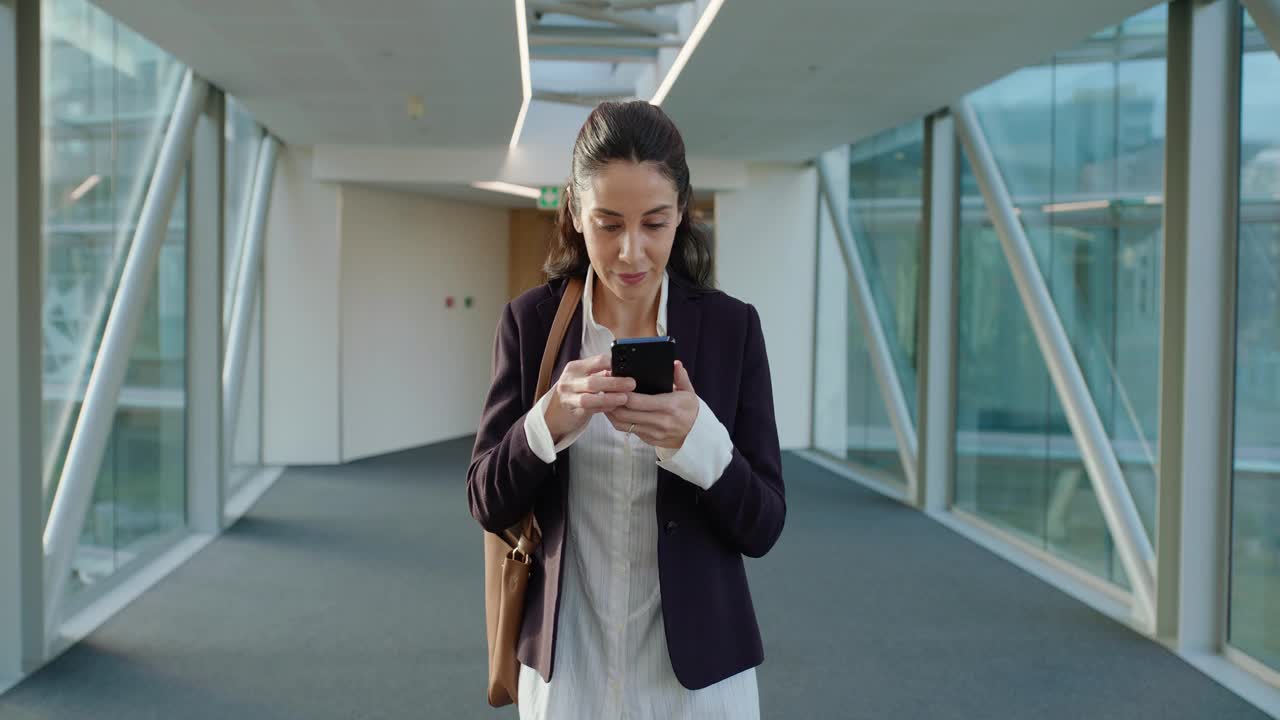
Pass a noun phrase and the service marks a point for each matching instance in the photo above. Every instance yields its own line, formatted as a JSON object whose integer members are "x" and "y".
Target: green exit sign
{"x": 549, "y": 197}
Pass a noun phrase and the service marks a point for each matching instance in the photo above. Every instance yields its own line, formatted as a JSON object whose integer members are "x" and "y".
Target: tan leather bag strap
{"x": 524, "y": 539}
{"x": 559, "y": 326}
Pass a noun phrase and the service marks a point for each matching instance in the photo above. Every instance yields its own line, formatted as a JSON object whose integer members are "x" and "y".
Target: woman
{"x": 638, "y": 601}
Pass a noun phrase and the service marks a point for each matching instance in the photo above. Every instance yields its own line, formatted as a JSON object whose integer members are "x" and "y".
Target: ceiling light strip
{"x": 509, "y": 189}
{"x": 526, "y": 85}
{"x": 690, "y": 45}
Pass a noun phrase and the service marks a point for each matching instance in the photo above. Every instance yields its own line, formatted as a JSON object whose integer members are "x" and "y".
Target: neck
{"x": 625, "y": 318}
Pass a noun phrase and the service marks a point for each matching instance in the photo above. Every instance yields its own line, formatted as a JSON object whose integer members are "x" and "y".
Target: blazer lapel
{"x": 684, "y": 318}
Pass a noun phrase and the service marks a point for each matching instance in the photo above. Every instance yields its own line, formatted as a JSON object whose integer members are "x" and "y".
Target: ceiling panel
{"x": 788, "y": 80}
{"x": 770, "y": 80}
{"x": 364, "y": 58}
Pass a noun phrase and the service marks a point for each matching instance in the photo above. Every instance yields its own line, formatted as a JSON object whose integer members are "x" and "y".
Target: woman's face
{"x": 629, "y": 216}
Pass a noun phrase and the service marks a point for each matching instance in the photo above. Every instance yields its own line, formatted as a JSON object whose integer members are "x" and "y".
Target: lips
{"x": 632, "y": 278}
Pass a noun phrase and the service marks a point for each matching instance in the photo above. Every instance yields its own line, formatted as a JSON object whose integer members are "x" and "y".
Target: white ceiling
{"x": 772, "y": 79}
{"x": 786, "y": 80}
{"x": 338, "y": 71}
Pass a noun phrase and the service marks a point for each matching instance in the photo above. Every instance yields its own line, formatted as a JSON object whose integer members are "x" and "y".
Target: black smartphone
{"x": 650, "y": 361}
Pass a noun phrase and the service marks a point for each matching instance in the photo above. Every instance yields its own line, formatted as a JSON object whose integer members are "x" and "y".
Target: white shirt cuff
{"x": 538, "y": 434}
{"x": 706, "y": 452}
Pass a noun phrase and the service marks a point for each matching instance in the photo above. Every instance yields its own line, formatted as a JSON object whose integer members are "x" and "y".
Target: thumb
{"x": 683, "y": 384}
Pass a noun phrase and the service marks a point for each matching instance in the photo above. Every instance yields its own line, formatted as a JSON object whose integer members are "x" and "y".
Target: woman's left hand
{"x": 661, "y": 420}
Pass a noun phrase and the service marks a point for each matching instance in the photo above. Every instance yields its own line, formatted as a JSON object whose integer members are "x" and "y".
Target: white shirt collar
{"x": 591, "y": 328}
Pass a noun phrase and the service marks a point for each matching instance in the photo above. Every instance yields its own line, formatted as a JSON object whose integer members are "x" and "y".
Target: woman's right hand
{"x": 586, "y": 387}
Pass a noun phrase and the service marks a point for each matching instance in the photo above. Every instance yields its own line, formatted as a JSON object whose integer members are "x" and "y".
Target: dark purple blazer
{"x": 706, "y": 606}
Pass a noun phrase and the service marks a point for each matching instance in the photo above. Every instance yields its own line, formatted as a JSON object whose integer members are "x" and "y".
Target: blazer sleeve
{"x": 505, "y": 474}
{"x": 747, "y": 505}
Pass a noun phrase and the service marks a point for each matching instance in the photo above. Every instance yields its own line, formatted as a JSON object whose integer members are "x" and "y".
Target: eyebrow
{"x": 615, "y": 213}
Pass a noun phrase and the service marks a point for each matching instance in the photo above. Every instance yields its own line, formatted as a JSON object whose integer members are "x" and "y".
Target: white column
{"x": 206, "y": 475}
{"x": 937, "y": 386}
{"x": 21, "y": 559}
{"x": 1198, "y": 311}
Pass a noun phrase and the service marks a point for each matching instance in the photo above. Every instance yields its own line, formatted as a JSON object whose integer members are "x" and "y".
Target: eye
{"x": 610, "y": 228}
{"x": 655, "y": 226}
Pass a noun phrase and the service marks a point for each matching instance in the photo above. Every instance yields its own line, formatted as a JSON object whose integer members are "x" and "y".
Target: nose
{"x": 629, "y": 249}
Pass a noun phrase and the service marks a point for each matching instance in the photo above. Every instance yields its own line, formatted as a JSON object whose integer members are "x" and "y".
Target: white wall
{"x": 300, "y": 322}
{"x": 765, "y": 244}
{"x": 413, "y": 371}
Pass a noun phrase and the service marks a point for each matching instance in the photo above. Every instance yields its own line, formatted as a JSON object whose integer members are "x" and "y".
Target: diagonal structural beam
{"x": 1266, "y": 13}
{"x": 895, "y": 401}
{"x": 648, "y": 22}
{"x": 246, "y": 291}
{"x": 97, "y": 417}
{"x": 1117, "y": 504}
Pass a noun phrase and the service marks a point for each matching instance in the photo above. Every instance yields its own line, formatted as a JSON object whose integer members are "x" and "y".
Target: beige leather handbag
{"x": 508, "y": 558}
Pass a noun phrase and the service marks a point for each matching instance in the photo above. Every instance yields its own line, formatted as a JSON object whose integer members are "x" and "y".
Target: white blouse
{"x": 611, "y": 658}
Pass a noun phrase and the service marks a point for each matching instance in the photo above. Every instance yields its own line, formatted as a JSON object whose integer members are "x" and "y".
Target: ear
{"x": 572, "y": 206}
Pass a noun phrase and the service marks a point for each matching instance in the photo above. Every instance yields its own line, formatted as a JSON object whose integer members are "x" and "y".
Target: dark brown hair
{"x": 639, "y": 132}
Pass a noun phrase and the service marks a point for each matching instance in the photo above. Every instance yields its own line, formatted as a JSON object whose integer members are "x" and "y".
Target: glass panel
{"x": 107, "y": 97}
{"x": 886, "y": 185}
{"x": 1080, "y": 143}
{"x": 243, "y": 138}
{"x": 1255, "y": 541}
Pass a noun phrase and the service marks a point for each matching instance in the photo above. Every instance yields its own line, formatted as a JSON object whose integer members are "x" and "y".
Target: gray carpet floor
{"x": 355, "y": 592}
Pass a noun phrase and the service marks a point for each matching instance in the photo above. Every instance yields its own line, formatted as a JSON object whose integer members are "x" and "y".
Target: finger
{"x": 601, "y": 383}
{"x": 643, "y": 430}
{"x": 596, "y": 402}
{"x": 683, "y": 383}
{"x": 623, "y": 417}
{"x": 618, "y": 424}
{"x": 647, "y": 403}
{"x": 590, "y": 365}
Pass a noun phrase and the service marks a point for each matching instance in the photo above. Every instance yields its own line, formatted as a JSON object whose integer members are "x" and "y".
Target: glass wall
{"x": 1080, "y": 143}
{"x": 107, "y": 97}
{"x": 1254, "y": 625}
{"x": 243, "y": 138}
{"x": 886, "y": 186}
